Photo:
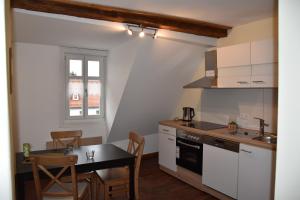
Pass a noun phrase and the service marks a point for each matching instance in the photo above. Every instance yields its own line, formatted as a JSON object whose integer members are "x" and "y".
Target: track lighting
{"x": 155, "y": 34}
{"x": 142, "y": 31}
{"x": 129, "y": 31}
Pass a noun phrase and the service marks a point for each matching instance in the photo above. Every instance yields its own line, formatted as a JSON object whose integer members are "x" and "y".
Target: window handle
{"x": 85, "y": 92}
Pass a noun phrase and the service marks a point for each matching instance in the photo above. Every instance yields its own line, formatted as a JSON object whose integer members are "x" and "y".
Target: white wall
{"x": 222, "y": 105}
{"x": 288, "y": 159}
{"x": 120, "y": 62}
{"x": 6, "y": 185}
{"x": 257, "y": 30}
{"x": 160, "y": 69}
{"x": 151, "y": 144}
{"x": 39, "y": 91}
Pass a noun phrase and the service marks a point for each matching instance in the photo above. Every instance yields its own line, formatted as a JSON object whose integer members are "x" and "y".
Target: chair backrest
{"x": 60, "y": 138}
{"x": 136, "y": 147}
{"x": 42, "y": 163}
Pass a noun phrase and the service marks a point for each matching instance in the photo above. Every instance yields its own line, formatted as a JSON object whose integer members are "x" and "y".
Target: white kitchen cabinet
{"x": 167, "y": 147}
{"x": 264, "y": 75}
{"x": 263, "y": 51}
{"x": 234, "y": 55}
{"x": 248, "y": 65}
{"x": 234, "y": 77}
{"x": 220, "y": 169}
{"x": 256, "y": 173}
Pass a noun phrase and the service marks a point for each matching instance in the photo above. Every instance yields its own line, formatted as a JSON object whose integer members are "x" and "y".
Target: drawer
{"x": 167, "y": 130}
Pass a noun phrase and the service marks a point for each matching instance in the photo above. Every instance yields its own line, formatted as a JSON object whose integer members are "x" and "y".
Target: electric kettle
{"x": 188, "y": 114}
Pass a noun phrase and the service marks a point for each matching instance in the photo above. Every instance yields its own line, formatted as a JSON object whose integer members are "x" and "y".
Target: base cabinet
{"x": 220, "y": 170}
{"x": 256, "y": 173}
{"x": 167, "y": 147}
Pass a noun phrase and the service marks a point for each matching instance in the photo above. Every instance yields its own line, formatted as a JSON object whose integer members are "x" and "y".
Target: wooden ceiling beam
{"x": 114, "y": 14}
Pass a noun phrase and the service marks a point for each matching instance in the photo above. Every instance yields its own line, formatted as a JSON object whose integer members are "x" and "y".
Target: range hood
{"x": 210, "y": 78}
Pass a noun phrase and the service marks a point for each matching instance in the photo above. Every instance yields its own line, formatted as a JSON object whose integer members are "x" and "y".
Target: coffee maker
{"x": 188, "y": 114}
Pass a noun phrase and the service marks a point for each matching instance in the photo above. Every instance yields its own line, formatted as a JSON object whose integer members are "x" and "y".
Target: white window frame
{"x": 85, "y": 55}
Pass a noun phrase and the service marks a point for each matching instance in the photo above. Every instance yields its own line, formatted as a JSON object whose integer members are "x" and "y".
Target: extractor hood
{"x": 210, "y": 78}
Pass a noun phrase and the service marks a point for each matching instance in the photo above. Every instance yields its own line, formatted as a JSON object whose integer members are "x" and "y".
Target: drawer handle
{"x": 166, "y": 130}
{"x": 242, "y": 82}
{"x": 259, "y": 82}
{"x": 170, "y": 139}
{"x": 246, "y": 151}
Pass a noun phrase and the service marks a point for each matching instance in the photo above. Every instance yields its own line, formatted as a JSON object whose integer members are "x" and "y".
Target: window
{"x": 84, "y": 83}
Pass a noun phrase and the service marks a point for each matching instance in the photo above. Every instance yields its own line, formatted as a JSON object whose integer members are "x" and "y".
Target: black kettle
{"x": 188, "y": 114}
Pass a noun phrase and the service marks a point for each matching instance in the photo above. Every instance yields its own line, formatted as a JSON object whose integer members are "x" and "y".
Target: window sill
{"x": 84, "y": 121}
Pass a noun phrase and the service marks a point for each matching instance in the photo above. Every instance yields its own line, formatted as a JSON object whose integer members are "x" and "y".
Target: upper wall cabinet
{"x": 248, "y": 65}
{"x": 263, "y": 51}
{"x": 235, "y": 55}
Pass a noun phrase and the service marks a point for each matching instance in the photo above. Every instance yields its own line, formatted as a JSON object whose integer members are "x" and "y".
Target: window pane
{"x": 94, "y": 91}
{"x": 93, "y": 68}
{"x": 75, "y": 67}
{"x": 75, "y": 97}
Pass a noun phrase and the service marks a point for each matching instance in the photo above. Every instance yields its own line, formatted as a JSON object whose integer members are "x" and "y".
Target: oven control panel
{"x": 189, "y": 136}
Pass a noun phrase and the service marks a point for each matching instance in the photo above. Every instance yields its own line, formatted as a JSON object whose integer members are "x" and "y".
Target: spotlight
{"x": 142, "y": 34}
{"x": 129, "y": 31}
{"x": 155, "y": 34}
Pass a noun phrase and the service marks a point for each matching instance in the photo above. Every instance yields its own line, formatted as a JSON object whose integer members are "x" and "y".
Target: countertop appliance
{"x": 220, "y": 165}
{"x": 188, "y": 114}
{"x": 202, "y": 125}
{"x": 189, "y": 151}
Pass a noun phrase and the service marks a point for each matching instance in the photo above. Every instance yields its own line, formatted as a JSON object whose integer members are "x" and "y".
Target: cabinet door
{"x": 264, "y": 75}
{"x": 263, "y": 51}
{"x": 235, "y": 55}
{"x": 256, "y": 173}
{"x": 167, "y": 151}
{"x": 220, "y": 170}
{"x": 234, "y": 77}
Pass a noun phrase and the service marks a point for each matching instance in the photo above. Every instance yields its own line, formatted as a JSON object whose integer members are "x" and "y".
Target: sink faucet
{"x": 261, "y": 126}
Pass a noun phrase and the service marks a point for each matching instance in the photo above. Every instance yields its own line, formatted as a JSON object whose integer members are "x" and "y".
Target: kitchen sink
{"x": 267, "y": 138}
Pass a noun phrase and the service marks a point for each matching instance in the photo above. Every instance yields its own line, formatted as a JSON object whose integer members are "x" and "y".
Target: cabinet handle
{"x": 170, "y": 139}
{"x": 259, "y": 82}
{"x": 166, "y": 130}
{"x": 242, "y": 82}
{"x": 189, "y": 145}
{"x": 246, "y": 151}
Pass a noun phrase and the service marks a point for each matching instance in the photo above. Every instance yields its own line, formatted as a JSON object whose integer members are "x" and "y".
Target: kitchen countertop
{"x": 223, "y": 133}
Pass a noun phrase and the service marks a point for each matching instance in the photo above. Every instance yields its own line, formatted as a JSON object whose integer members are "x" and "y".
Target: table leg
{"x": 20, "y": 188}
{"x": 131, "y": 181}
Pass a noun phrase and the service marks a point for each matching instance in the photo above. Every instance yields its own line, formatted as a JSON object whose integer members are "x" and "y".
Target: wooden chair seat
{"x": 82, "y": 187}
{"x": 113, "y": 174}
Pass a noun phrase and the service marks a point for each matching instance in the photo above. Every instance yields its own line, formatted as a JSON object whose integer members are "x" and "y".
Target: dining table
{"x": 105, "y": 156}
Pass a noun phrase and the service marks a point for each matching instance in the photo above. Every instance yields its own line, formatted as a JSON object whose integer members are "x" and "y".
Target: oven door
{"x": 189, "y": 155}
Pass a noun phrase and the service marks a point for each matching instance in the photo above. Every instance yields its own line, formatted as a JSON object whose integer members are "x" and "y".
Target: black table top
{"x": 104, "y": 153}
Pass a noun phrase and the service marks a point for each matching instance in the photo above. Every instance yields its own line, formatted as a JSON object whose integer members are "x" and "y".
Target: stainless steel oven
{"x": 189, "y": 151}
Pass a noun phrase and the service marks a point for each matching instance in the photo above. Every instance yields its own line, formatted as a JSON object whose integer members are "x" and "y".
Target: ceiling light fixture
{"x": 129, "y": 31}
{"x": 155, "y": 34}
{"x": 142, "y": 31}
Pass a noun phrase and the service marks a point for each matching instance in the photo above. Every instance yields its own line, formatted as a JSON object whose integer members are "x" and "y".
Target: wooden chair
{"x": 115, "y": 181}
{"x": 56, "y": 189}
{"x": 60, "y": 138}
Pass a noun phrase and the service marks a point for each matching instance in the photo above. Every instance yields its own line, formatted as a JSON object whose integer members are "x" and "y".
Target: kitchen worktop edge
{"x": 223, "y": 133}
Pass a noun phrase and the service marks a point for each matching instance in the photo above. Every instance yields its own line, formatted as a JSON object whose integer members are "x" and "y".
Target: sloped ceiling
{"x": 226, "y": 12}
{"x": 154, "y": 85}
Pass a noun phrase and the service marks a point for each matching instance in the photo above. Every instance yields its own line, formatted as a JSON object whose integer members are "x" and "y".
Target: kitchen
{"x": 245, "y": 60}
{"x": 234, "y": 161}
